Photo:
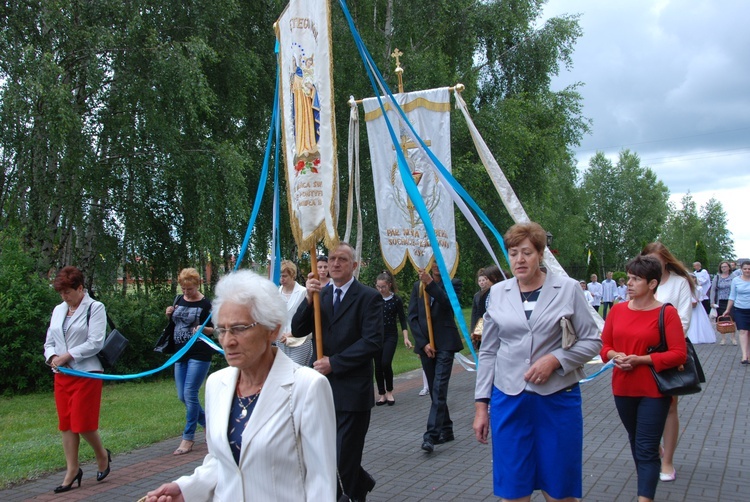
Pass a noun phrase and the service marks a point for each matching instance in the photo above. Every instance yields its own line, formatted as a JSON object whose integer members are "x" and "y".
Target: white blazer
{"x": 84, "y": 338}
{"x": 282, "y": 458}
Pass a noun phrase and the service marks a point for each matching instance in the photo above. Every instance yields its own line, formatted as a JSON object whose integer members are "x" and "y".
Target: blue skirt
{"x": 537, "y": 443}
{"x": 741, "y": 318}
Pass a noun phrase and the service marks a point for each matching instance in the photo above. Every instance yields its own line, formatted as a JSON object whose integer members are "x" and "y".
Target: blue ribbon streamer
{"x": 276, "y": 276}
{"x": 610, "y": 364}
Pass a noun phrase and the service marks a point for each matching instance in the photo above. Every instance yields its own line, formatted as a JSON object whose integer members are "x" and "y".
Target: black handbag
{"x": 680, "y": 380}
{"x": 114, "y": 344}
{"x": 165, "y": 343}
{"x": 113, "y": 348}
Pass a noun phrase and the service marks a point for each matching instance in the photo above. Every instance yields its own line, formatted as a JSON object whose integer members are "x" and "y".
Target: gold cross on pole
{"x": 399, "y": 71}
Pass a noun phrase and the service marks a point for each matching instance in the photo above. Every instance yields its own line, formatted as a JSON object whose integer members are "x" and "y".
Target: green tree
{"x": 683, "y": 229}
{"x": 688, "y": 224}
{"x": 592, "y": 267}
{"x": 626, "y": 207}
{"x": 506, "y": 60}
{"x": 131, "y": 134}
{"x": 717, "y": 237}
{"x": 700, "y": 254}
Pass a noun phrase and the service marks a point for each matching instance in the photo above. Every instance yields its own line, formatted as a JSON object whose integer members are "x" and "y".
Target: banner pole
{"x": 428, "y": 316}
{"x": 316, "y": 307}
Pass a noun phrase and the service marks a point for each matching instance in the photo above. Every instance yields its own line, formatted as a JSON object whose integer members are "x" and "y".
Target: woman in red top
{"x": 630, "y": 329}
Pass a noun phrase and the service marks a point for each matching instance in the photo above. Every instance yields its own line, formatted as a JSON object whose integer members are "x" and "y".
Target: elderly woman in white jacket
{"x": 270, "y": 423}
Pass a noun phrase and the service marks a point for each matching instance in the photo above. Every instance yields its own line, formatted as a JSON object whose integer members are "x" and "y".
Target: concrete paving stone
{"x": 712, "y": 459}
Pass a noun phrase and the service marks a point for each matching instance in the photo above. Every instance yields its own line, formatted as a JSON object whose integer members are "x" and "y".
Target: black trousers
{"x": 351, "y": 429}
{"x": 644, "y": 418}
{"x": 438, "y": 372}
{"x": 383, "y": 361}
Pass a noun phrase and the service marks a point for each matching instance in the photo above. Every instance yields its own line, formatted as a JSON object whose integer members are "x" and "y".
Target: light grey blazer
{"x": 83, "y": 340}
{"x": 511, "y": 344}
{"x": 282, "y": 458}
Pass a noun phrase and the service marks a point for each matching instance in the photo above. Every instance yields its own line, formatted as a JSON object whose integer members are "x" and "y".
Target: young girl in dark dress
{"x": 393, "y": 309}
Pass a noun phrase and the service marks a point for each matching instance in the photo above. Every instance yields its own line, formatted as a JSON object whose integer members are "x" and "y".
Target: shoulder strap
{"x": 662, "y": 334}
{"x": 88, "y": 316}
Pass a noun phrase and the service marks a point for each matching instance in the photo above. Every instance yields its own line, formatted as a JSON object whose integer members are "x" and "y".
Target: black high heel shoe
{"x": 100, "y": 475}
{"x": 65, "y": 488}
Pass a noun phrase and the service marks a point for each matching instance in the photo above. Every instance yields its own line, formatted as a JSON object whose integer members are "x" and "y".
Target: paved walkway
{"x": 713, "y": 458}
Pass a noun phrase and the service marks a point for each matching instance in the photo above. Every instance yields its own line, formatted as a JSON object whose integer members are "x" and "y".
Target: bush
{"x": 26, "y": 303}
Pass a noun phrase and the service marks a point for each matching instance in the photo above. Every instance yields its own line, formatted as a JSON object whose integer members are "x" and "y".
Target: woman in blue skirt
{"x": 528, "y": 375}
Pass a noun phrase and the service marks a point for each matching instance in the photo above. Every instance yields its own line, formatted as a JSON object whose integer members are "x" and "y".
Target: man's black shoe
{"x": 428, "y": 446}
{"x": 445, "y": 438}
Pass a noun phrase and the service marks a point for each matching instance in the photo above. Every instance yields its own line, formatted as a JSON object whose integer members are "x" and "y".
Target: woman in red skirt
{"x": 75, "y": 336}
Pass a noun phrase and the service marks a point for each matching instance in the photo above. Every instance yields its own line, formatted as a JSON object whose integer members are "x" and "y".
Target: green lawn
{"x": 133, "y": 415}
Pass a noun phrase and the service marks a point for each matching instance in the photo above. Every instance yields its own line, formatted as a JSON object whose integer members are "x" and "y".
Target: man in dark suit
{"x": 437, "y": 363}
{"x": 352, "y": 320}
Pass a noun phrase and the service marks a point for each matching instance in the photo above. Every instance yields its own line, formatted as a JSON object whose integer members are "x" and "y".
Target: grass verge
{"x": 133, "y": 415}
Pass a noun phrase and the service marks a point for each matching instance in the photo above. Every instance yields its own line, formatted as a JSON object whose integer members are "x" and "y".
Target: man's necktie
{"x": 336, "y": 300}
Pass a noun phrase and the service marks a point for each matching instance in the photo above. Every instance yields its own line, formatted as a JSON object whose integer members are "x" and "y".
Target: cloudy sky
{"x": 670, "y": 80}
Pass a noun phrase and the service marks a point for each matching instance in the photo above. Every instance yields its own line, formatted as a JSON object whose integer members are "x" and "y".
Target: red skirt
{"x": 78, "y": 400}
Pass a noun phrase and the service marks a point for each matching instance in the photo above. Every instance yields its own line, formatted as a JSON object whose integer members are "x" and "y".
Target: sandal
{"x": 185, "y": 447}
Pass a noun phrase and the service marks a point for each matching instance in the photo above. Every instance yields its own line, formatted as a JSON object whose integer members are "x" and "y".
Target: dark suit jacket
{"x": 350, "y": 340}
{"x": 443, "y": 322}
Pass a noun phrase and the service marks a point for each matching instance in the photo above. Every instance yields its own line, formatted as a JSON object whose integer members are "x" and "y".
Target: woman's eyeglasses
{"x": 237, "y": 330}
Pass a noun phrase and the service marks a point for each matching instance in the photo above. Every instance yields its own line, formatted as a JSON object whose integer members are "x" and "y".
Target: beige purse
{"x": 569, "y": 337}
{"x": 477, "y": 333}
{"x": 292, "y": 341}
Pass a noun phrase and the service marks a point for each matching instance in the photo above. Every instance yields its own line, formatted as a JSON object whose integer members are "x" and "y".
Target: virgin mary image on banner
{"x": 305, "y": 104}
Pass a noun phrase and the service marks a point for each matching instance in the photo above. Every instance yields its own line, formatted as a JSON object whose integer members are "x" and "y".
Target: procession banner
{"x": 308, "y": 128}
{"x": 402, "y": 232}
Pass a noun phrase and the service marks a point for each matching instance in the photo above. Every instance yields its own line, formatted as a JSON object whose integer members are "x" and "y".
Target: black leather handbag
{"x": 165, "y": 343}
{"x": 114, "y": 344}
{"x": 680, "y": 380}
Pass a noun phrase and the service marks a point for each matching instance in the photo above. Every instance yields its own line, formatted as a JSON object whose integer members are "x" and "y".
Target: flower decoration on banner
{"x": 309, "y": 166}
